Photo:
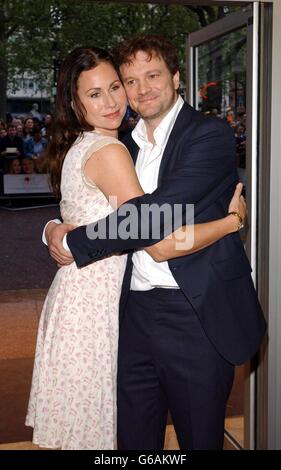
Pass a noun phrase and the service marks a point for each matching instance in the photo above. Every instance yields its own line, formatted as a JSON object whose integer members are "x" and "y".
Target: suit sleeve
{"x": 204, "y": 169}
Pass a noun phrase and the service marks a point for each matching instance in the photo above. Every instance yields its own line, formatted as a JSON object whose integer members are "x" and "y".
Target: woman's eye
{"x": 115, "y": 87}
{"x": 95, "y": 95}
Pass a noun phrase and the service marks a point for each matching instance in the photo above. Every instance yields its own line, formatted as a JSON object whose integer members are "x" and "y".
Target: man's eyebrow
{"x": 153, "y": 70}
{"x": 130, "y": 77}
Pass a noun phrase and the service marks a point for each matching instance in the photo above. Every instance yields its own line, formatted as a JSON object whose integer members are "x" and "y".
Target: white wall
{"x": 274, "y": 352}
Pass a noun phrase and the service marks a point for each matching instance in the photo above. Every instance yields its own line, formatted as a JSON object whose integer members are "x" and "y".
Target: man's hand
{"x": 54, "y": 235}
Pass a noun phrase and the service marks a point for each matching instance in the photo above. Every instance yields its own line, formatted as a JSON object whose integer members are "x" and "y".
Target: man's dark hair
{"x": 156, "y": 45}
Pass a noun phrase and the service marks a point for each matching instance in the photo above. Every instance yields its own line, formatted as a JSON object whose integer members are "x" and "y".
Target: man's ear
{"x": 176, "y": 80}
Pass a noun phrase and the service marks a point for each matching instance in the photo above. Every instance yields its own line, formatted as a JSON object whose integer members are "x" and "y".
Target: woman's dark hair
{"x": 151, "y": 44}
{"x": 67, "y": 124}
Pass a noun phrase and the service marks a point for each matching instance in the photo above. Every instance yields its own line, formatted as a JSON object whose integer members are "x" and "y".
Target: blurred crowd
{"x": 237, "y": 120}
{"x": 129, "y": 122}
{"x": 238, "y": 125}
{"x": 23, "y": 141}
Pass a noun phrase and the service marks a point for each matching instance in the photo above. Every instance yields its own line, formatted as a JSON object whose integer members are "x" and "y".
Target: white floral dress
{"x": 72, "y": 402}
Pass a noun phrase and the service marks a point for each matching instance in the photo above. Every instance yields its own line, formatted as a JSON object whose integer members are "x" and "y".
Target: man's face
{"x": 28, "y": 166}
{"x": 150, "y": 86}
{"x": 37, "y": 136}
{"x": 12, "y": 132}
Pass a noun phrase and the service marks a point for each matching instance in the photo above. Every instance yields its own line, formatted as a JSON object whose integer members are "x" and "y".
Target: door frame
{"x": 244, "y": 18}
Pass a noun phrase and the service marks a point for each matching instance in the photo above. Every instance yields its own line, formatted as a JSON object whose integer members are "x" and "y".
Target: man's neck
{"x": 152, "y": 124}
{"x": 150, "y": 128}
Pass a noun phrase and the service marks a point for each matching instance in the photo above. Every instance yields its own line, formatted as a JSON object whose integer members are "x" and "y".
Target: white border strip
{"x": 254, "y": 189}
{"x": 191, "y": 76}
{"x": 196, "y": 81}
{"x": 254, "y": 138}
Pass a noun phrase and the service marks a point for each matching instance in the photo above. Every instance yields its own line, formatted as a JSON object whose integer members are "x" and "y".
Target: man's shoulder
{"x": 128, "y": 140}
{"x": 199, "y": 123}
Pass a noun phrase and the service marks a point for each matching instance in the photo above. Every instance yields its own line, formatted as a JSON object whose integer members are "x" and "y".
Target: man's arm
{"x": 205, "y": 169}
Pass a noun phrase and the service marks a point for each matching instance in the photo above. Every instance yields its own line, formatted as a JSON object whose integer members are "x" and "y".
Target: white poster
{"x": 26, "y": 184}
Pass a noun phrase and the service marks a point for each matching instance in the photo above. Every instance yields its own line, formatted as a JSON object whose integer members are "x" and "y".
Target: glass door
{"x": 222, "y": 80}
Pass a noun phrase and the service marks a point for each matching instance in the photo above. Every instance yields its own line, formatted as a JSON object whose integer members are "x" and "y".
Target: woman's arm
{"x": 111, "y": 168}
{"x": 191, "y": 238}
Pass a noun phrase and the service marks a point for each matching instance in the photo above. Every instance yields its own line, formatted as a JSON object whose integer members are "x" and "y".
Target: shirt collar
{"x": 162, "y": 131}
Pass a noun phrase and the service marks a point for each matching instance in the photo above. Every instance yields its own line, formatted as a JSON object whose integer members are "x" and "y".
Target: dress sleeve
{"x": 94, "y": 147}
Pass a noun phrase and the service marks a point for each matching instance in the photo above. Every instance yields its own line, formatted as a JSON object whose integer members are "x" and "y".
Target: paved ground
{"x": 25, "y": 262}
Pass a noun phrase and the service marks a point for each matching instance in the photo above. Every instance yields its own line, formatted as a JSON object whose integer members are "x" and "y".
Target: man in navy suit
{"x": 184, "y": 323}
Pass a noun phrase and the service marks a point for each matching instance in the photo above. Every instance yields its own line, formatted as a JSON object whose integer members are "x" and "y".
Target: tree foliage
{"x": 25, "y": 32}
{"x": 29, "y": 29}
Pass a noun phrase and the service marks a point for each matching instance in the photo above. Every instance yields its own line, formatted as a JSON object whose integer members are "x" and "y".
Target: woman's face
{"x": 15, "y": 167}
{"x": 29, "y": 124}
{"x": 103, "y": 97}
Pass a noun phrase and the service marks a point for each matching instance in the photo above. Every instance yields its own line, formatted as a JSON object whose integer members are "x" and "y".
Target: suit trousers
{"x": 166, "y": 362}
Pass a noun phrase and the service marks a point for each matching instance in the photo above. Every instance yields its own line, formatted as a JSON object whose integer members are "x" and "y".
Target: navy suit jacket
{"x": 198, "y": 167}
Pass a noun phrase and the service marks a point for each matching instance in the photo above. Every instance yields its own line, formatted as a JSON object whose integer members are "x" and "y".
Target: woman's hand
{"x": 54, "y": 235}
{"x": 238, "y": 203}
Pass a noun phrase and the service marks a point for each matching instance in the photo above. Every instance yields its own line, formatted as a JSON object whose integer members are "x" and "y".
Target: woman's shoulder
{"x": 92, "y": 137}
{"x": 97, "y": 141}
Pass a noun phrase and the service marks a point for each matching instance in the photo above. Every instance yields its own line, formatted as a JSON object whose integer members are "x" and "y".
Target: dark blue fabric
{"x": 166, "y": 361}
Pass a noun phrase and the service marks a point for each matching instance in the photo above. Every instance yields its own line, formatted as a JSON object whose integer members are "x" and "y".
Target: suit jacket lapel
{"x": 180, "y": 125}
{"x": 182, "y": 121}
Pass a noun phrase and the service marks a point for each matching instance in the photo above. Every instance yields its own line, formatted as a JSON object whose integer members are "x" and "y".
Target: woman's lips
{"x": 112, "y": 115}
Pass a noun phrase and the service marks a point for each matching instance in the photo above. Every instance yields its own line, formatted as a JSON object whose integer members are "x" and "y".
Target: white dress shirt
{"x": 147, "y": 274}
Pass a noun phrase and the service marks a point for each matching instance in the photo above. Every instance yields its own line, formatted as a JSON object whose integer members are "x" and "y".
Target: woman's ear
{"x": 73, "y": 107}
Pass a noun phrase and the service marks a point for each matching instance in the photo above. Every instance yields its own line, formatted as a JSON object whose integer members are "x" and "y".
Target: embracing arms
{"x": 191, "y": 238}
{"x": 199, "y": 177}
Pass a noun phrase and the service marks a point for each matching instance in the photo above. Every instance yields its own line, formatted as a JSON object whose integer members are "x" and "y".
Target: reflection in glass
{"x": 221, "y": 91}
{"x": 221, "y": 86}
